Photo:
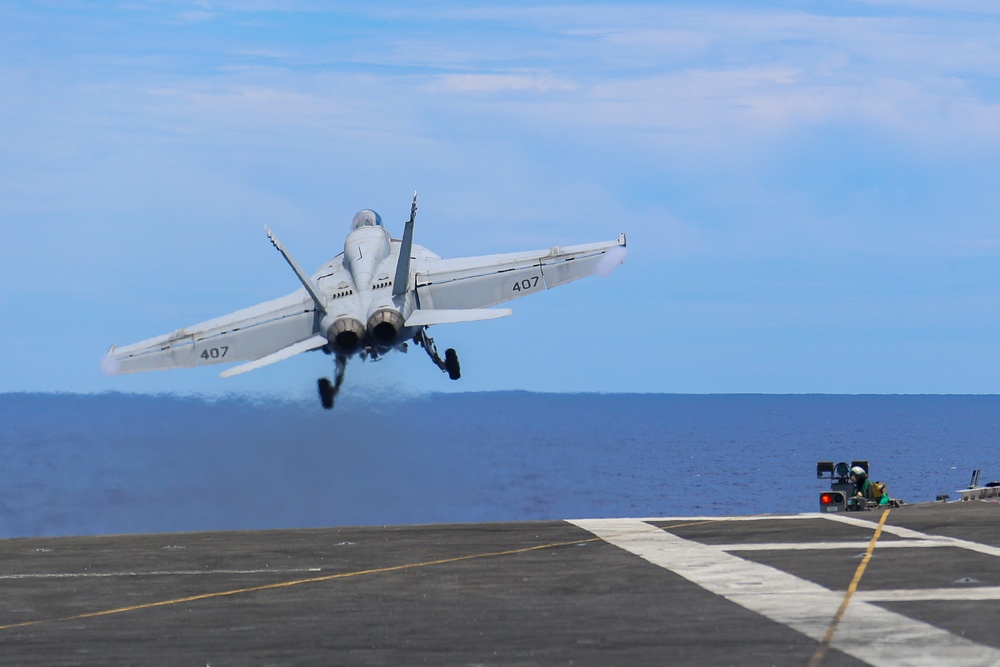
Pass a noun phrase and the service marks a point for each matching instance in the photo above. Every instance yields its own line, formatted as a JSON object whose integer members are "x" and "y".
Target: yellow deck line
{"x": 295, "y": 582}
{"x": 817, "y": 657}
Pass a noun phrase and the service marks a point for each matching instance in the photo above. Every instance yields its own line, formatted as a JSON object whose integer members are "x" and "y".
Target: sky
{"x": 808, "y": 188}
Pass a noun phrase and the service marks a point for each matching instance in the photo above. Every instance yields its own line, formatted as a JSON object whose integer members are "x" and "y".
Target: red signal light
{"x": 826, "y": 499}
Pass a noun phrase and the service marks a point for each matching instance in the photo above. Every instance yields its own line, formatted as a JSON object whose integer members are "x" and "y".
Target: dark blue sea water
{"x": 116, "y": 463}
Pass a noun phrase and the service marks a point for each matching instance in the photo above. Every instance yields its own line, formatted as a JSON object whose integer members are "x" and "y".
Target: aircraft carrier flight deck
{"x": 917, "y": 585}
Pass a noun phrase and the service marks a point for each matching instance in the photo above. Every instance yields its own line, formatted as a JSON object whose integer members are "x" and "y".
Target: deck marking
{"x": 155, "y": 573}
{"x": 829, "y": 546}
{"x": 954, "y": 594}
{"x": 311, "y": 580}
{"x": 867, "y": 632}
{"x": 899, "y": 531}
{"x": 820, "y": 653}
{"x": 295, "y": 582}
{"x": 744, "y": 517}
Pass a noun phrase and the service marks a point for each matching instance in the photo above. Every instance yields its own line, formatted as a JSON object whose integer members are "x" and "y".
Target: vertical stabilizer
{"x": 402, "y": 280}
{"x": 307, "y": 282}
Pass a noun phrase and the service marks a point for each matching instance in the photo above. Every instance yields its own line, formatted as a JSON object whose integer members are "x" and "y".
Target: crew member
{"x": 865, "y": 488}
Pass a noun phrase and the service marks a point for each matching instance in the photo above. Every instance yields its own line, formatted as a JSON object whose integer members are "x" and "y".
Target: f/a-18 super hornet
{"x": 376, "y": 296}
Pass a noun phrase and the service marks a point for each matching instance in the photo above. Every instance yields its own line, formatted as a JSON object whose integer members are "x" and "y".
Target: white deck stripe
{"x": 820, "y": 546}
{"x": 867, "y": 632}
{"x": 727, "y": 519}
{"x": 167, "y": 573}
{"x": 966, "y": 594}
{"x": 913, "y": 534}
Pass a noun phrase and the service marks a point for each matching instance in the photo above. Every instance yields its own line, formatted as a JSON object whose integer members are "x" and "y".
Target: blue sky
{"x": 809, "y": 189}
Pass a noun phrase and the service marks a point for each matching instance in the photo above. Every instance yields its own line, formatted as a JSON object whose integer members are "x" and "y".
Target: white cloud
{"x": 987, "y": 7}
{"x": 502, "y": 83}
{"x": 727, "y": 73}
{"x": 196, "y": 16}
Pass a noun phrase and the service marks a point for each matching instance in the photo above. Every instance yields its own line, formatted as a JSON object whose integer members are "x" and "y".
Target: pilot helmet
{"x": 366, "y": 218}
{"x": 859, "y": 472}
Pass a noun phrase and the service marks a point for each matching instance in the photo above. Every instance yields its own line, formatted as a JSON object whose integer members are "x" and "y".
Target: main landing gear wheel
{"x": 451, "y": 364}
{"x": 325, "y": 393}
{"x": 328, "y": 390}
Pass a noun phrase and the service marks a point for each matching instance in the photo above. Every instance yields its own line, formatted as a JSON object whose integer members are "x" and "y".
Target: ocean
{"x": 121, "y": 463}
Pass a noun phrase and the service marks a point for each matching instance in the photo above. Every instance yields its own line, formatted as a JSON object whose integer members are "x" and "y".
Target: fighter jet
{"x": 375, "y": 297}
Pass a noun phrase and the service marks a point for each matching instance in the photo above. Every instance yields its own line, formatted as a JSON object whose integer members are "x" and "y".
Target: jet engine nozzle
{"x": 384, "y": 326}
{"x": 345, "y": 335}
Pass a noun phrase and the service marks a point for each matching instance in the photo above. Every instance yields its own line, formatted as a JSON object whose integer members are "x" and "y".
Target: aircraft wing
{"x": 245, "y": 335}
{"x": 479, "y": 282}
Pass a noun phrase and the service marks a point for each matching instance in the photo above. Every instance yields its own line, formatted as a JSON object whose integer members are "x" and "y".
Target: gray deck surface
{"x": 685, "y": 591}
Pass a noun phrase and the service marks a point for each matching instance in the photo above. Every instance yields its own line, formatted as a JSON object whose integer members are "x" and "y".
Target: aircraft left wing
{"x": 479, "y": 282}
{"x": 245, "y": 335}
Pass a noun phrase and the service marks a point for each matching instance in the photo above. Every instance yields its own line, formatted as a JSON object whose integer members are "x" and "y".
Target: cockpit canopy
{"x": 366, "y": 218}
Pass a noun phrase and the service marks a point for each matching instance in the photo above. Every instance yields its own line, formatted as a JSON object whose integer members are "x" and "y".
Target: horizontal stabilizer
{"x": 313, "y": 343}
{"x": 423, "y": 318}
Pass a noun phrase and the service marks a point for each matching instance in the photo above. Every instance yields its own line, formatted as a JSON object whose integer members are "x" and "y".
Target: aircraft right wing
{"x": 479, "y": 282}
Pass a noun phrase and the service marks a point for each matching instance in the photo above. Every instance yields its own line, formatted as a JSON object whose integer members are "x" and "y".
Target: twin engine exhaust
{"x": 384, "y": 326}
{"x": 347, "y": 335}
